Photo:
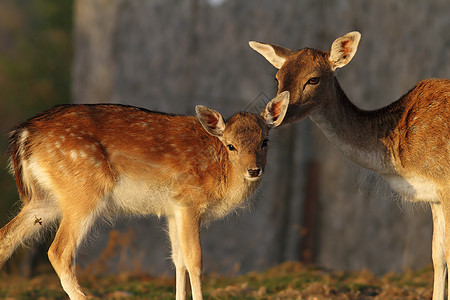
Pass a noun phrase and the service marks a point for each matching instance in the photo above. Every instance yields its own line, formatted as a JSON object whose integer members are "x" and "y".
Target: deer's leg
{"x": 445, "y": 201}
{"x": 34, "y": 217}
{"x": 177, "y": 258}
{"x": 75, "y": 224}
{"x": 188, "y": 228}
{"x": 438, "y": 251}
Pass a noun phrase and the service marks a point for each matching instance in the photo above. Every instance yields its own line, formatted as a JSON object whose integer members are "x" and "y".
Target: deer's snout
{"x": 254, "y": 173}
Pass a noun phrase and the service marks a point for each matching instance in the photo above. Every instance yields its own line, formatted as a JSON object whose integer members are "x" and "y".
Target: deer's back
{"x": 129, "y": 154}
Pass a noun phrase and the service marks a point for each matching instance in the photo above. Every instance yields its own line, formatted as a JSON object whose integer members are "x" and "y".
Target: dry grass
{"x": 287, "y": 281}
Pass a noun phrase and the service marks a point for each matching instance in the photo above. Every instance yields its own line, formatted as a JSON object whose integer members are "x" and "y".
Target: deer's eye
{"x": 264, "y": 143}
{"x": 231, "y": 147}
{"x": 313, "y": 80}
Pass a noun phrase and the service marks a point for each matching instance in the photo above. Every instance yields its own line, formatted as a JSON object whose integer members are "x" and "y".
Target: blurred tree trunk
{"x": 171, "y": 55}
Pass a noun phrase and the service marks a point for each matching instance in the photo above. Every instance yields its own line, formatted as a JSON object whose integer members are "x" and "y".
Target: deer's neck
{"x": 238, "y": 188}
{"x": 362, "y": 136}
{"x": 230, "y": 192}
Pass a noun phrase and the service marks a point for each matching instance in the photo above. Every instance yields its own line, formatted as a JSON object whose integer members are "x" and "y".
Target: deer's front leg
{"x": 188, "y": 230}
{"x": 177, "y": 258}
{"x": 438, "y": 251}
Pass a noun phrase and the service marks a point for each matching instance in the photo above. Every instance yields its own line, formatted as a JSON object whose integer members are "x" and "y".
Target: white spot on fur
{"x": 73, "y": 154}
{"x": 62, "y": 169}
{"x": 92, "y": 147}
{"x": 95, "y": 162}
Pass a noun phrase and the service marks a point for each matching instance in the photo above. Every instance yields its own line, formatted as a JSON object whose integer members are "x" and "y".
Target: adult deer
{"x": 406, "y": 142}
{"x": 74, "y": 164}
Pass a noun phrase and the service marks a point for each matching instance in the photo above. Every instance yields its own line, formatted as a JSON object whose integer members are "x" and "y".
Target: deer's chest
{"x": 414, "y": 188}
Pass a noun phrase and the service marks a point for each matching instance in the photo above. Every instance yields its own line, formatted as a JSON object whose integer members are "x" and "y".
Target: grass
{"x": 290, "y": 280}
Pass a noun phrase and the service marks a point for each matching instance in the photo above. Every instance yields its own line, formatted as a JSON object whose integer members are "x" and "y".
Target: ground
{"x": 290, "y": 280}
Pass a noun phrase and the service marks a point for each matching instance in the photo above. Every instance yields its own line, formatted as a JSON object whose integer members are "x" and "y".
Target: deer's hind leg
{"x": 76, "y": 223}
{"x": 35, "y": 218}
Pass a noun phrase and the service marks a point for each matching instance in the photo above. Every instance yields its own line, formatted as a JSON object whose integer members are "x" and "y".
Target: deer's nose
{"x": 254, "y": 172}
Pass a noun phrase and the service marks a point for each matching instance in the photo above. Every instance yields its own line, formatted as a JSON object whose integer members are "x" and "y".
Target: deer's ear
{"x": 211, "y": 120}
{"x": 343, "y": 49}
{"x": 275, "y": 54}
{"x": 275, "y": 110}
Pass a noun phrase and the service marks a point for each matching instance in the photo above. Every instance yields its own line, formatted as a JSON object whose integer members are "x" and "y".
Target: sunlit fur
{"x": 406, "y": 142}
{"x": 74, "y": 164}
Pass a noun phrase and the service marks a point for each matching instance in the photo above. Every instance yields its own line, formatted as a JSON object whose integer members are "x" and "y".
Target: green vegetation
{"x": 286, "y": 281}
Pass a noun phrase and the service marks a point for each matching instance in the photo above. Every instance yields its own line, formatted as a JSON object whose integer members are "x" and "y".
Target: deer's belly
{"x": 414, "y": 188}
{"x": 140, "y": 198}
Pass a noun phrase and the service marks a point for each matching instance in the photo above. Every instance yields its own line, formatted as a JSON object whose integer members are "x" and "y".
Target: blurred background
{"x": 313, "y": 205}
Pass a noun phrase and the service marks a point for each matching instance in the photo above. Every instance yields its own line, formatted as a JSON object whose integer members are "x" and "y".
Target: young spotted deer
{"x": 74, "y": 164}
{"x": 406, "y": 142}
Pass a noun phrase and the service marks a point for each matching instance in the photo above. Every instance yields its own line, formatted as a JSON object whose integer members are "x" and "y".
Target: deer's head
{"x": 308, "y": 74}
{"x": 245, "y": 135}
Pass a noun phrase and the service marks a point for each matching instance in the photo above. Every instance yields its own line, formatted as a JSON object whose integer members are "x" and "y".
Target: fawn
{"x": 74, "y": 164}
{"x": 406, "y": 142}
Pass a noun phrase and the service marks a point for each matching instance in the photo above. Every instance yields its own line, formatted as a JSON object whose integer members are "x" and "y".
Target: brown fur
{"x": 407, "y": 142}
{"x": 74, "y": 164}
